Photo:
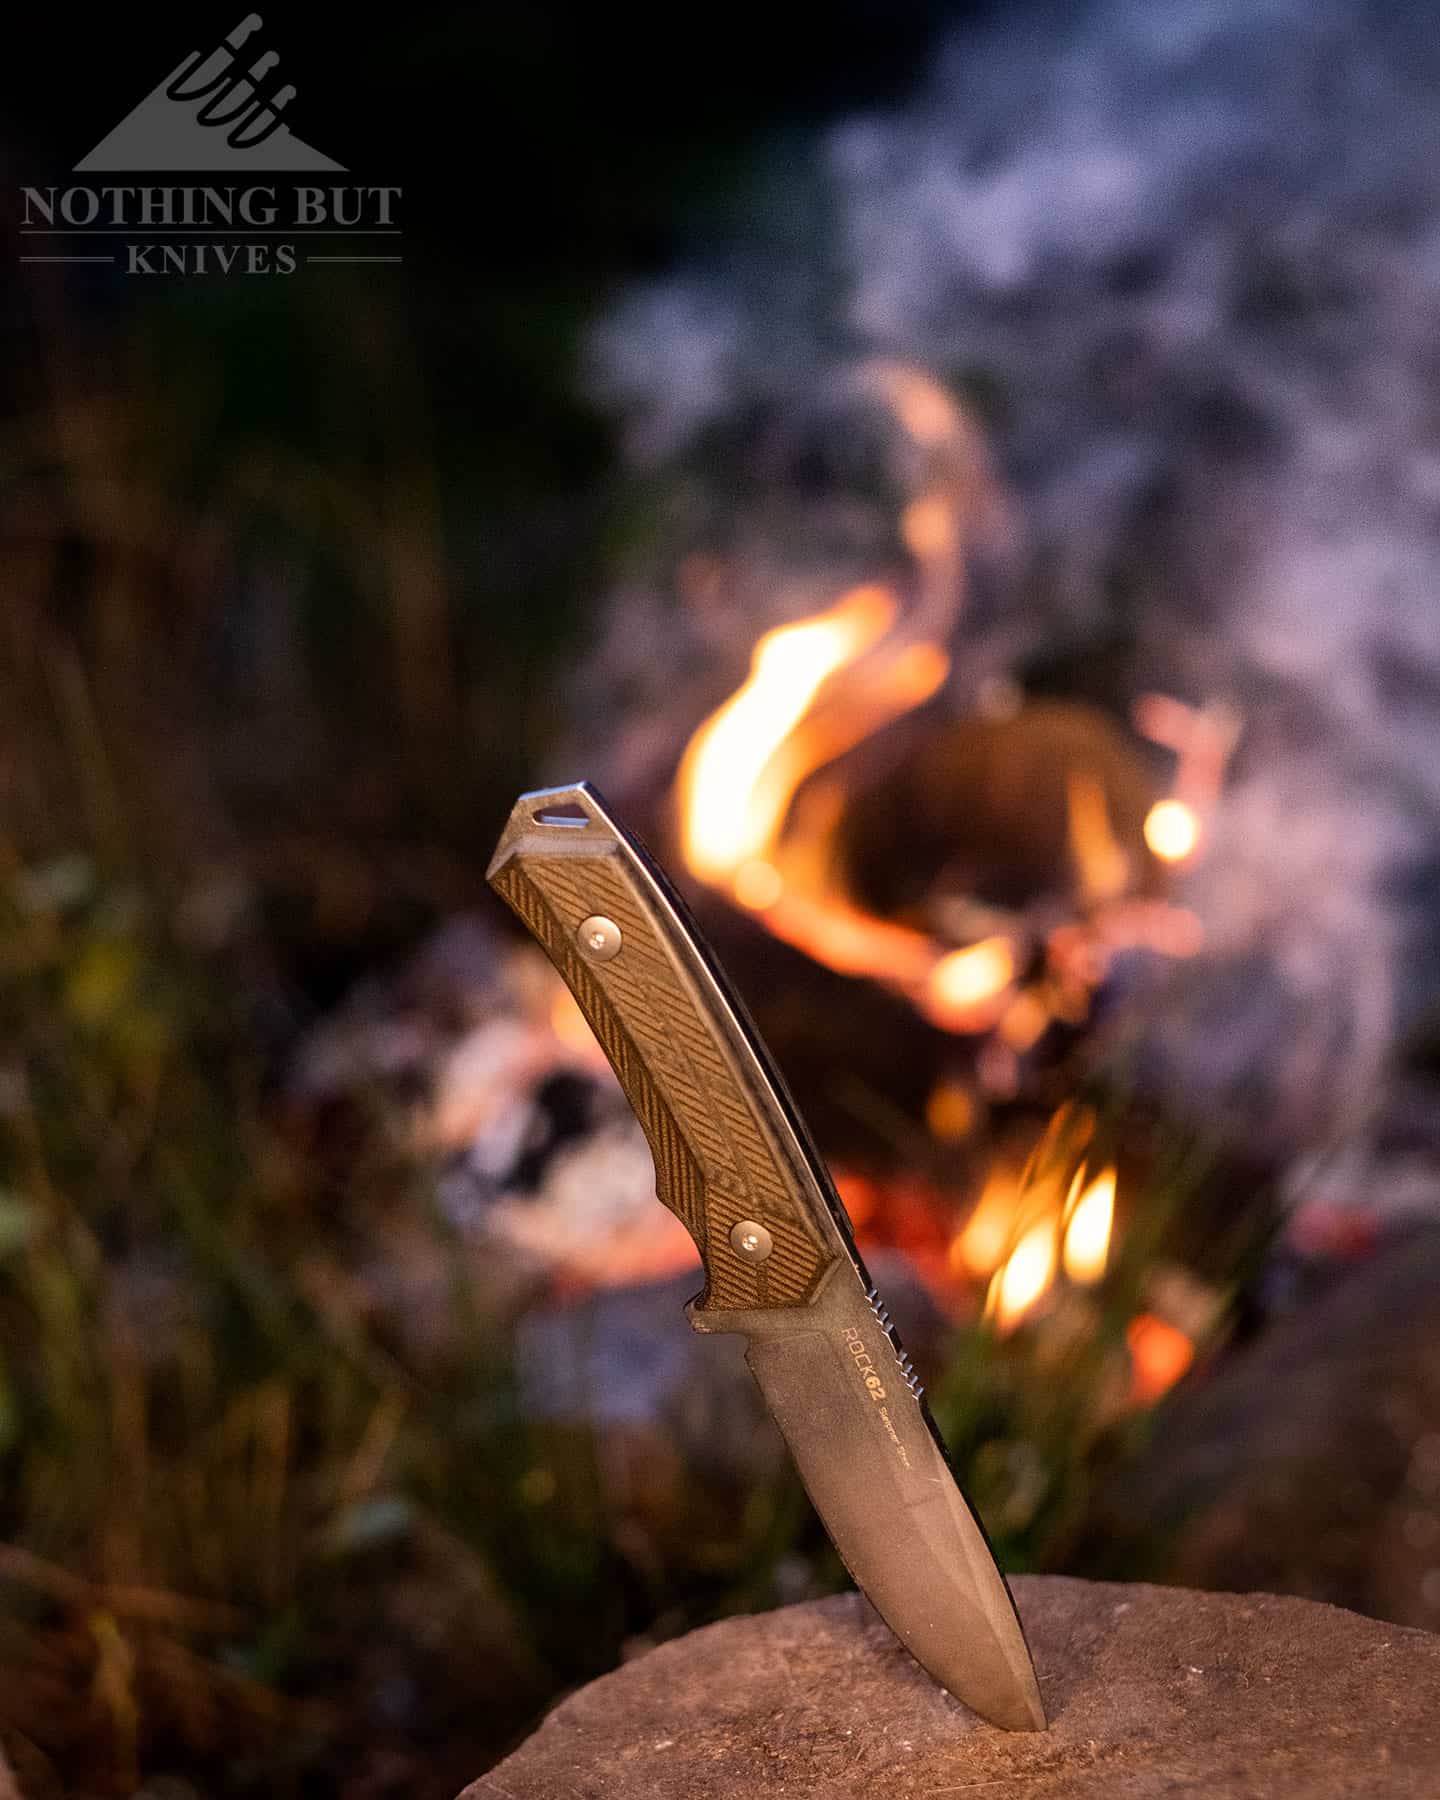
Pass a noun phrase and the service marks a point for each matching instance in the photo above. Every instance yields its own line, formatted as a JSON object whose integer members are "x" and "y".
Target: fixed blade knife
{"x": 734, "y": 1161}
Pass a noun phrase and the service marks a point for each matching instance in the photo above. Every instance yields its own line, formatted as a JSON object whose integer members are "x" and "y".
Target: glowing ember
{"x": 950, "y": 1112}
{"x": 1159, "y": 1355}
{"x": 967, "y": 982}
{"x": 1024, "y": 1276}
{"x": 1087, "y": 1230}
{"x": 1172, "y": 830}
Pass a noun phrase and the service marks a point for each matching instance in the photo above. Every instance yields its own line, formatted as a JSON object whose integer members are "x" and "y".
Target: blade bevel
{"x": 844, "y": 1397}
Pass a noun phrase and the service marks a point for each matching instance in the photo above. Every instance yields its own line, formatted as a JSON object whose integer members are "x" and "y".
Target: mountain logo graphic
{"x": 221, "y": 111}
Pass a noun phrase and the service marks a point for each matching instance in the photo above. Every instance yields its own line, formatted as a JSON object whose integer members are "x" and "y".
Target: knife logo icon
{"x": 734, "y": 1161}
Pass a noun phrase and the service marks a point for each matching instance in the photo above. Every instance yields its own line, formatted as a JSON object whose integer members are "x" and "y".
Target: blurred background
{"x": 965, "y": 482}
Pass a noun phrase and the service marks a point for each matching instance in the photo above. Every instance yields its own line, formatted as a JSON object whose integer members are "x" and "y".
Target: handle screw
{"x": 750, "y": 1241}
{"x": 599, "y": 938}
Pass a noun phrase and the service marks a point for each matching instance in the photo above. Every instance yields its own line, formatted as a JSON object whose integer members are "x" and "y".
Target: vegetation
{"x": 255, "y": 1534}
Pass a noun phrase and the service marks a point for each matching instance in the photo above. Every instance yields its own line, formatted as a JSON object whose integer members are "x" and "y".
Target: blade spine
{"x": 797, "y": 1141}
{"x": 804, "y": 1154}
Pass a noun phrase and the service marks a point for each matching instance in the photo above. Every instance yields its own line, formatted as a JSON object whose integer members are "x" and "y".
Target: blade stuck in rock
{"x": 736, "y": 1164}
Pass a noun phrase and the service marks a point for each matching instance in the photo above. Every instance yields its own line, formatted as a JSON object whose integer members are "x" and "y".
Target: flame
{"x": 928, "y": 527}
{"x": 742, "y": 766}
{"x": 760, "y": 809}
{"x": 758, "y": 884}
{"x": 1023, "y": 1253}
{"x": 1024, "y": 1276}
{"x": 989, "y": 1232}
{"x": 816, "y": 688}
{"x": 1090, "y": 1217}
{"x": 1203, "y": 739}
{"x": 850, "y": 941}
{"x": 1172, "y": 830}
{"x": 924, "y": 408}
{"x": 1024, "y": 1227}
{"x": 1025, "y": 1021}
{"x": 1103, "y": 867}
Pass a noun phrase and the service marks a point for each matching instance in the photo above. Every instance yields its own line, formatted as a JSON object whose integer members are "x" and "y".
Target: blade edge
{"x": 876, "y": 1474}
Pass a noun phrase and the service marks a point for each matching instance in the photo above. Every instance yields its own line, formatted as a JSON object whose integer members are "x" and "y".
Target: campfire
{"x": 764, "y": 822}
{"x": 924, "y": 892}
{"x": 761, "y": 802}
{"x": 929, "y": 891}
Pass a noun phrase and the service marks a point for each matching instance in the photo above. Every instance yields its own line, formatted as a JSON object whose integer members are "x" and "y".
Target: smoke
{"x": 1185, "y": 262}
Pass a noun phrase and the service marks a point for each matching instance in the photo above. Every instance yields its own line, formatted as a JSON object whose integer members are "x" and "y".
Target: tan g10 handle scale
{"x": 732, "y": 1160}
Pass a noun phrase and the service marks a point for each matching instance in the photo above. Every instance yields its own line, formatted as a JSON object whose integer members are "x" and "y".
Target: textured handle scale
{"x": 701, "y": 1087}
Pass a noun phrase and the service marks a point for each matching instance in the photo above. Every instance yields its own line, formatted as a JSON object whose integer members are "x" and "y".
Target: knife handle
{"x": 729, "y": 1153}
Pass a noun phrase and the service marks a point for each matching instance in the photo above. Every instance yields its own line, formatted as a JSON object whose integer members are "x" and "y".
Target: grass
{"x": 254, "y": 1532}
{"x": 209, "y": 1435}
{"x": 259, "y": 1535}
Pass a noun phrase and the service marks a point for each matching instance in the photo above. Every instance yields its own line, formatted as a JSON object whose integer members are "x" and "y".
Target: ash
{"x": 1183, "y": 262}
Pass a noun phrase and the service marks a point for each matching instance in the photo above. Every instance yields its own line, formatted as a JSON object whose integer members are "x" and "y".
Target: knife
{"x": 734, "y": 1161}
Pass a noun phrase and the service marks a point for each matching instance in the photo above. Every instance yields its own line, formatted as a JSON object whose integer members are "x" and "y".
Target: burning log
{"x": 1045, "y": 804}
{"x": 985, "y": 869}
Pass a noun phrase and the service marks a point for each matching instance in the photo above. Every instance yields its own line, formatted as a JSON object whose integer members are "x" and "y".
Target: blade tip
{"x": 1023, "y": 1711}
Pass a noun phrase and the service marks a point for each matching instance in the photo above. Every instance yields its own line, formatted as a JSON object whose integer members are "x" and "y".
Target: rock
{"x": 680, "y": 1428}
{"x": 627, "y": 1355}
{"x": 1151, "y": 1691}
{"x": 1310, "y": 1464}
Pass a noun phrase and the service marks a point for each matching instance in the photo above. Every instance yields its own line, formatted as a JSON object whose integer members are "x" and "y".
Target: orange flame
{"x": 1089, "y": 1221}
{"x": 963, "y": 985}
{"x": 758, "y": 813}
{"x": 816, "y": 688}
{"x": 1052, "y": 1203}
{"x": 990, "y": 1230}
{"x": 1203, "y": 739}
{"x": 744, "y": 763}
{"x": 1103, "y": 867}
{"x": 1021, "y": 1281}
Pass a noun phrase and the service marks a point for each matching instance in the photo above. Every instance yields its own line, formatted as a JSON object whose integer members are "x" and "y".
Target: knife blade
{"x": 734, "y": 1161}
